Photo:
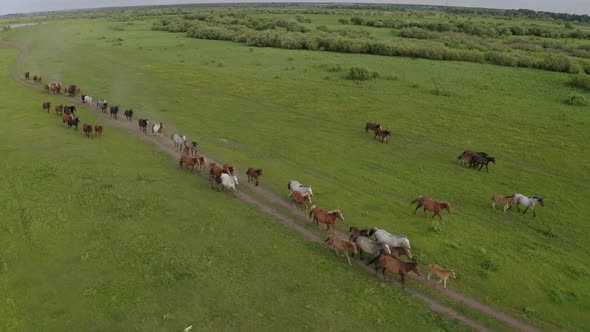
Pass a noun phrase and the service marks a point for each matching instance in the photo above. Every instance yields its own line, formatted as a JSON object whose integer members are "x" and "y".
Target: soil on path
{"x": 267, "y": 201}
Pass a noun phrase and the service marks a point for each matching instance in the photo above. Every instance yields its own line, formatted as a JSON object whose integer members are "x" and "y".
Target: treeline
{"x": 471, "y": 28}
{"x": 346, "y": 41}
{"x": 522, "y": 13}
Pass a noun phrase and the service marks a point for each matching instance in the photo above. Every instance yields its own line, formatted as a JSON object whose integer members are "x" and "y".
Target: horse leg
{"x": 525, "y": 210}
{"x": 517, "y": 207}
{"x": 487, "y": 170}
{"x": 417, "y": 207}
{"x": 348, "y": 257}
{"x": 403, "y": 276}
{"x": 534, "y": 213}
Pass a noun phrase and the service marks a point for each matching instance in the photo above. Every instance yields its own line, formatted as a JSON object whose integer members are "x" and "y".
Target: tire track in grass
{"x": 266, "y": 201}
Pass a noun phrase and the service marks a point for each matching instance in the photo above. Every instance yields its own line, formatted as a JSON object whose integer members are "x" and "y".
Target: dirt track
{"x": 266, "y": 201}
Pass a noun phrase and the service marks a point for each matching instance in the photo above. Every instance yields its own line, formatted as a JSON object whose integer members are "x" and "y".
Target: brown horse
{"x": 254, "y": 174}
{"x": 372, "y": 126}
{"x": 339, "y": 243}
{"x": 229, "y": 169}
{"x": 465, "y": 157}
{"x": 37, "y": 79}
{"x": 59, "y": 109}
{"x": 87, "y": 128}
{"x": 431, "y": 205}
{"x": 66, "y": 119}
{"x": 46, "y": 88}
{"x": 506, "y": 200}
{"x": 27, "y": 76}
{"x": 98, "y": 130}
{"x": 214, "y": 173}
{"x": 324, "y": 216}
{"x": 383, "y": 135}
{"x": 46, "y": 106}
{"x": 394, "y": 266}
{"x": 300, "y": 199}
{"x": 201, "y": 161}
{"x": 191, "y": 162}
{"x": 355, "y": 231}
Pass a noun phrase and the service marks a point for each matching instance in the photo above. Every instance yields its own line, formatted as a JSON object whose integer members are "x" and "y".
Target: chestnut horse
{"x": 395, "y": 266}
{"x": 46, "y": 106}
{"x": 431, "y": 205}
{"x": 87, "y": 128}
{"x": 98, "y": 130}
{"x": 325, "y": 217}
{"x": 300, "y": 199}
{"x": 254, "y": 174}
{"x": 189, "y": 161}
{"x": 59, "y": 109}
{"x": 214, "y": 173}
{"x": 506, "y": 200}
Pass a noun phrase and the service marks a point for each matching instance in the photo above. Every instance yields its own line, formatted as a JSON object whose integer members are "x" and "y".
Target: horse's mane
{"x": 334, "y": 211}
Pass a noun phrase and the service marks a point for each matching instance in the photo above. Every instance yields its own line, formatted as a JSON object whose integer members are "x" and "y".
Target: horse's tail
{"x": 311, "y": 210}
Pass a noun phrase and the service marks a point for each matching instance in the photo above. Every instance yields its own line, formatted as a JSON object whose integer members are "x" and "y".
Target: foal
{"x": 506, "y": 200}
{"x": 300, "y": 199}
{"x": 442, "y": 274}
{"x": 339, "y": 243}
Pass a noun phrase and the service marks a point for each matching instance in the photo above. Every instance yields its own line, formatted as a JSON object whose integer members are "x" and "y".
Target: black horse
{"x": 114, "y": 111}
{"x": 73, "y": 123}
{"x": 129, "y": 115}
{"x": 481, "y": 160}
{"x": 143, "y": 124}
{"x": 27, "y": 76}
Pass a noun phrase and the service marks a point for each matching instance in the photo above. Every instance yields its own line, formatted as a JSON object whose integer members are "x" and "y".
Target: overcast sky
{"x": 563, "y": 6}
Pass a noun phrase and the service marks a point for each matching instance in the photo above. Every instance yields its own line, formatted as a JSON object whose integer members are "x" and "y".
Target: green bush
{"x": 343, "y": 21}
{"x": 359, "y": 74}
{"x": 334, "y": 68}
{"x": 581, "y": 81}
{"x": 576, "y": 100}
{"x": 559, "y": 63}
{"x": 417, "y": 33}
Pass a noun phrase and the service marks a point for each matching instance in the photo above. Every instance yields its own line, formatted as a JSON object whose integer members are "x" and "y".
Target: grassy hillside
{"x": 107, "y": 234}
{"x": 285, "y": 112}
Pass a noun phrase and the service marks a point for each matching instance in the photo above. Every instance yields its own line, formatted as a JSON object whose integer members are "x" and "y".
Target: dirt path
{"x": 267, "y": 201}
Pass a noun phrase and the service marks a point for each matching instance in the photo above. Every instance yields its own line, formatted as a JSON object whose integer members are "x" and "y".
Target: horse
{"x": 228, "y": 181}
{"x": 27, "y": 75}
{"x": 201, "y": 162}
{"x": 300, "y": 199}
{"x": 82, "y": 97}
{"x": 74, "y": 123}
{"x": 482, "y": 160}
{"x": 465, "y": 157}
{"x": 395, "y": 266}
{"x": 87, "y": 100}
{"x": 46, "y": 106}
{"x": 71, "y": 90}
{"x": 192, "y": 162}
{"x": 191, "y": 148}
{"x": 87, "y": 128}
{"x": 46, "y": 88}
{"x": 339, "y": 243}
{"x": 158, "y": 128}
{"x": 443, "y": 274}
{"x": 102, "y": 105}
{"x": 302, "y": 189}
{"x": 98, "y": 130}
{"x": 325, "y": 217}
{"x": 230, "y": 169}
{"x": 59, "y": 109}
{"x": 383, "y": 135}
{"x": 215, "y": 172}
{"x": 37, "y": 78}
{"x": 143, "y": 124}
{"x": 114, "y": 111}
{"x": 529, "y": 202}
{"x": 355, "y": 231}
{"x": 364, "y": 244}
{"x": 392, "y": 240}
{"x": 506, "y": 200}
{"x": 129, "y": 115}
{"x": 254, "y": 174}
{"x": 66, "y": 119}
{"x": 372, "y": 126}
{"x": 398, "y": 252}
{"x": 69, "y": 109}
{"x": 178, "y": 140}
{"x": 431, "y": 205}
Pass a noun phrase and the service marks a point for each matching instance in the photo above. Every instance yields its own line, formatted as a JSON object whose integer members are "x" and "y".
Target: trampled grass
{"x": 107, "y": 234}
{"x": 283, "y": 111}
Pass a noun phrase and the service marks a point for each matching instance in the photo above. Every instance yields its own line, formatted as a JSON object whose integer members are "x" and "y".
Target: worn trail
{"x": 280, "y": 209}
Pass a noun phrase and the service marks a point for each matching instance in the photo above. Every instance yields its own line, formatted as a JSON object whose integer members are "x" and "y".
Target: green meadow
{"x": 108, "y": 234}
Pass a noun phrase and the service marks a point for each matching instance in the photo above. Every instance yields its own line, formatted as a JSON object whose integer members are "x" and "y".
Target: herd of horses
{"x": 385, "y": 250}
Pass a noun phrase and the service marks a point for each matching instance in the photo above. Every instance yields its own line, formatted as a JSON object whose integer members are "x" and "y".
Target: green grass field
{"x": 107, "y": 234}
{"x": 283, "y": 111}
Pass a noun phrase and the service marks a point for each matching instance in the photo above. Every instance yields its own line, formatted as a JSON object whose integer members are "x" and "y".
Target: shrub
{"x": 343, "y": 21}
{"x": 417, "y": 33}
{"x": 576, "y": 100}
{"x": 334, "y": 68}
{"x": 558, "y": 63}
{"x": 581, "y": 81}
{"x": 359, "y": 74}
{"x": 502, "y": 58}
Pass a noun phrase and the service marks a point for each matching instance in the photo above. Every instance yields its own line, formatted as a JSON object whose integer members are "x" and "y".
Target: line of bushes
{"x": 477, "y": 29}
{"x": 336, "y": 42}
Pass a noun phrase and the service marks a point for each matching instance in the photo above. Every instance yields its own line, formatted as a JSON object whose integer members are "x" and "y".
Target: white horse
{"x": 392, "y": 240}
{"x": 100, "y": 104}
{"x": 178, "y": 140}
{"x": 296, "y": 186}
{"x": 529, "y": 202}
{"x": 158, "y": 128}
{"x": 229, "y": 181}
{"x": 87, "y": 100}
{"x": 374, "y": 248}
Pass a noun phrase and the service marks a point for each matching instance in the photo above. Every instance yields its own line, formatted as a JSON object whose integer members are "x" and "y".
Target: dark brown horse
{"x": 372, "y": 126}
{"x": 324, "y": 216}
{"x": 481, "y": 160}
{"x": 46, "y": 106}
{"x": 98, "y": 130}
{"x": 355, "y": 231}
{"x": 87, "y": 128}
{"x": 59, "y": 109}
{"x": 383, "y": 135}
{"x": 214, "y": 173}
{"x": 254, "y": 174}
{"x": 395, "y": 266}
{"x": 27, "y": 76}
{"x": 429, "y": 204}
